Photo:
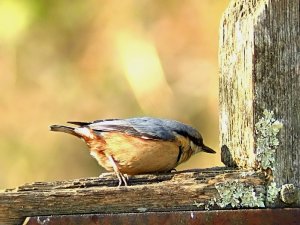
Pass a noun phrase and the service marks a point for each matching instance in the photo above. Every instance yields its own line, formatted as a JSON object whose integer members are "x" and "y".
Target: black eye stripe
{"x": 196, "y": 141}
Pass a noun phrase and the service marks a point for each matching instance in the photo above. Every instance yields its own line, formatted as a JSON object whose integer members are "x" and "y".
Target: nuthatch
{"x": 138, "y": 145}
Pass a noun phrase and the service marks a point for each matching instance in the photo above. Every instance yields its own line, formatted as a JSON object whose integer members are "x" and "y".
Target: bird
{"x": 137, "y": 145}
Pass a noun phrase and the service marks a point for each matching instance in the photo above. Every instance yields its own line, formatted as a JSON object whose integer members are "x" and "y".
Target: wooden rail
{"x": 188, "y": 190}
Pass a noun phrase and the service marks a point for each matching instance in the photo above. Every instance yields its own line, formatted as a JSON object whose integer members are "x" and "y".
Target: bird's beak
{"x": 207, "y": 149}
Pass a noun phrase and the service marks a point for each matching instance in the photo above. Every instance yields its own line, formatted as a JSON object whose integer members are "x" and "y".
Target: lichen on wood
{"x": 267, "y": 141}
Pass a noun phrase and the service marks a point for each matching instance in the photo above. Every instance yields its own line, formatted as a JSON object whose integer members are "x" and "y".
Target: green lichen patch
{"x": 267, "y": 129}
{"x": 272, "y": 192}
{"x": 237, "y": 195}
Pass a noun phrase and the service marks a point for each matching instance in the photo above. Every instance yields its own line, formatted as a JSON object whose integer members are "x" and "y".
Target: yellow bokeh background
{"x": 87, "y": 60}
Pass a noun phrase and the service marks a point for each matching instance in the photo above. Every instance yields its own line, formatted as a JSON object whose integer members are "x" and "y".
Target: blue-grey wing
{"x": 165, "y": 129}
{"x": 144, "y": 127}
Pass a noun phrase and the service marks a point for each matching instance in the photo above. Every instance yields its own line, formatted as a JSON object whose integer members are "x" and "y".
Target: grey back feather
{"x": 148, "y": 127}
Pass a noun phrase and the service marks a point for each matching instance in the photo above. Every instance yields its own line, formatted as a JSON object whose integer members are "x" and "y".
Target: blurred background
{"x": 86, "y": 60}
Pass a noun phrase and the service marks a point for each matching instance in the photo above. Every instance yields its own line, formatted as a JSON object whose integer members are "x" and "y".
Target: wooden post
{"x": 260, "y": 74}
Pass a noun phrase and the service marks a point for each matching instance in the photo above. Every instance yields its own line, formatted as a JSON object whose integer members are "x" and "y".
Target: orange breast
{"x": 134, "y": 155}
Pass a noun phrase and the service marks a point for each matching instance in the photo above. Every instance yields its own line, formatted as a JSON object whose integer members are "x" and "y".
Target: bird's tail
{"x": 65, "y": 129}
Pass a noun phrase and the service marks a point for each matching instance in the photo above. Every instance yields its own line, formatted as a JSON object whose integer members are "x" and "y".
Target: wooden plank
{"x": 260, "y": 72}
{"x": 189, "y": 190}
{"x": 221, "y": 217}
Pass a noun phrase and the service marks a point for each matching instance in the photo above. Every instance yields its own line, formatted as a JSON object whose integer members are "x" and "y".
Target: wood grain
{"x": 150, "y": 193}
{"x": 260, "y": 70}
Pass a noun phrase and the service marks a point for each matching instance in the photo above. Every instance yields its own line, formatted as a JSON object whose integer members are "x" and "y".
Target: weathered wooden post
{"x": 260, "y": 74}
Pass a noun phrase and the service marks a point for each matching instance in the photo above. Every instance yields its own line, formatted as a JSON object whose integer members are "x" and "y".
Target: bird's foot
{"x": 123, "y": 178}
